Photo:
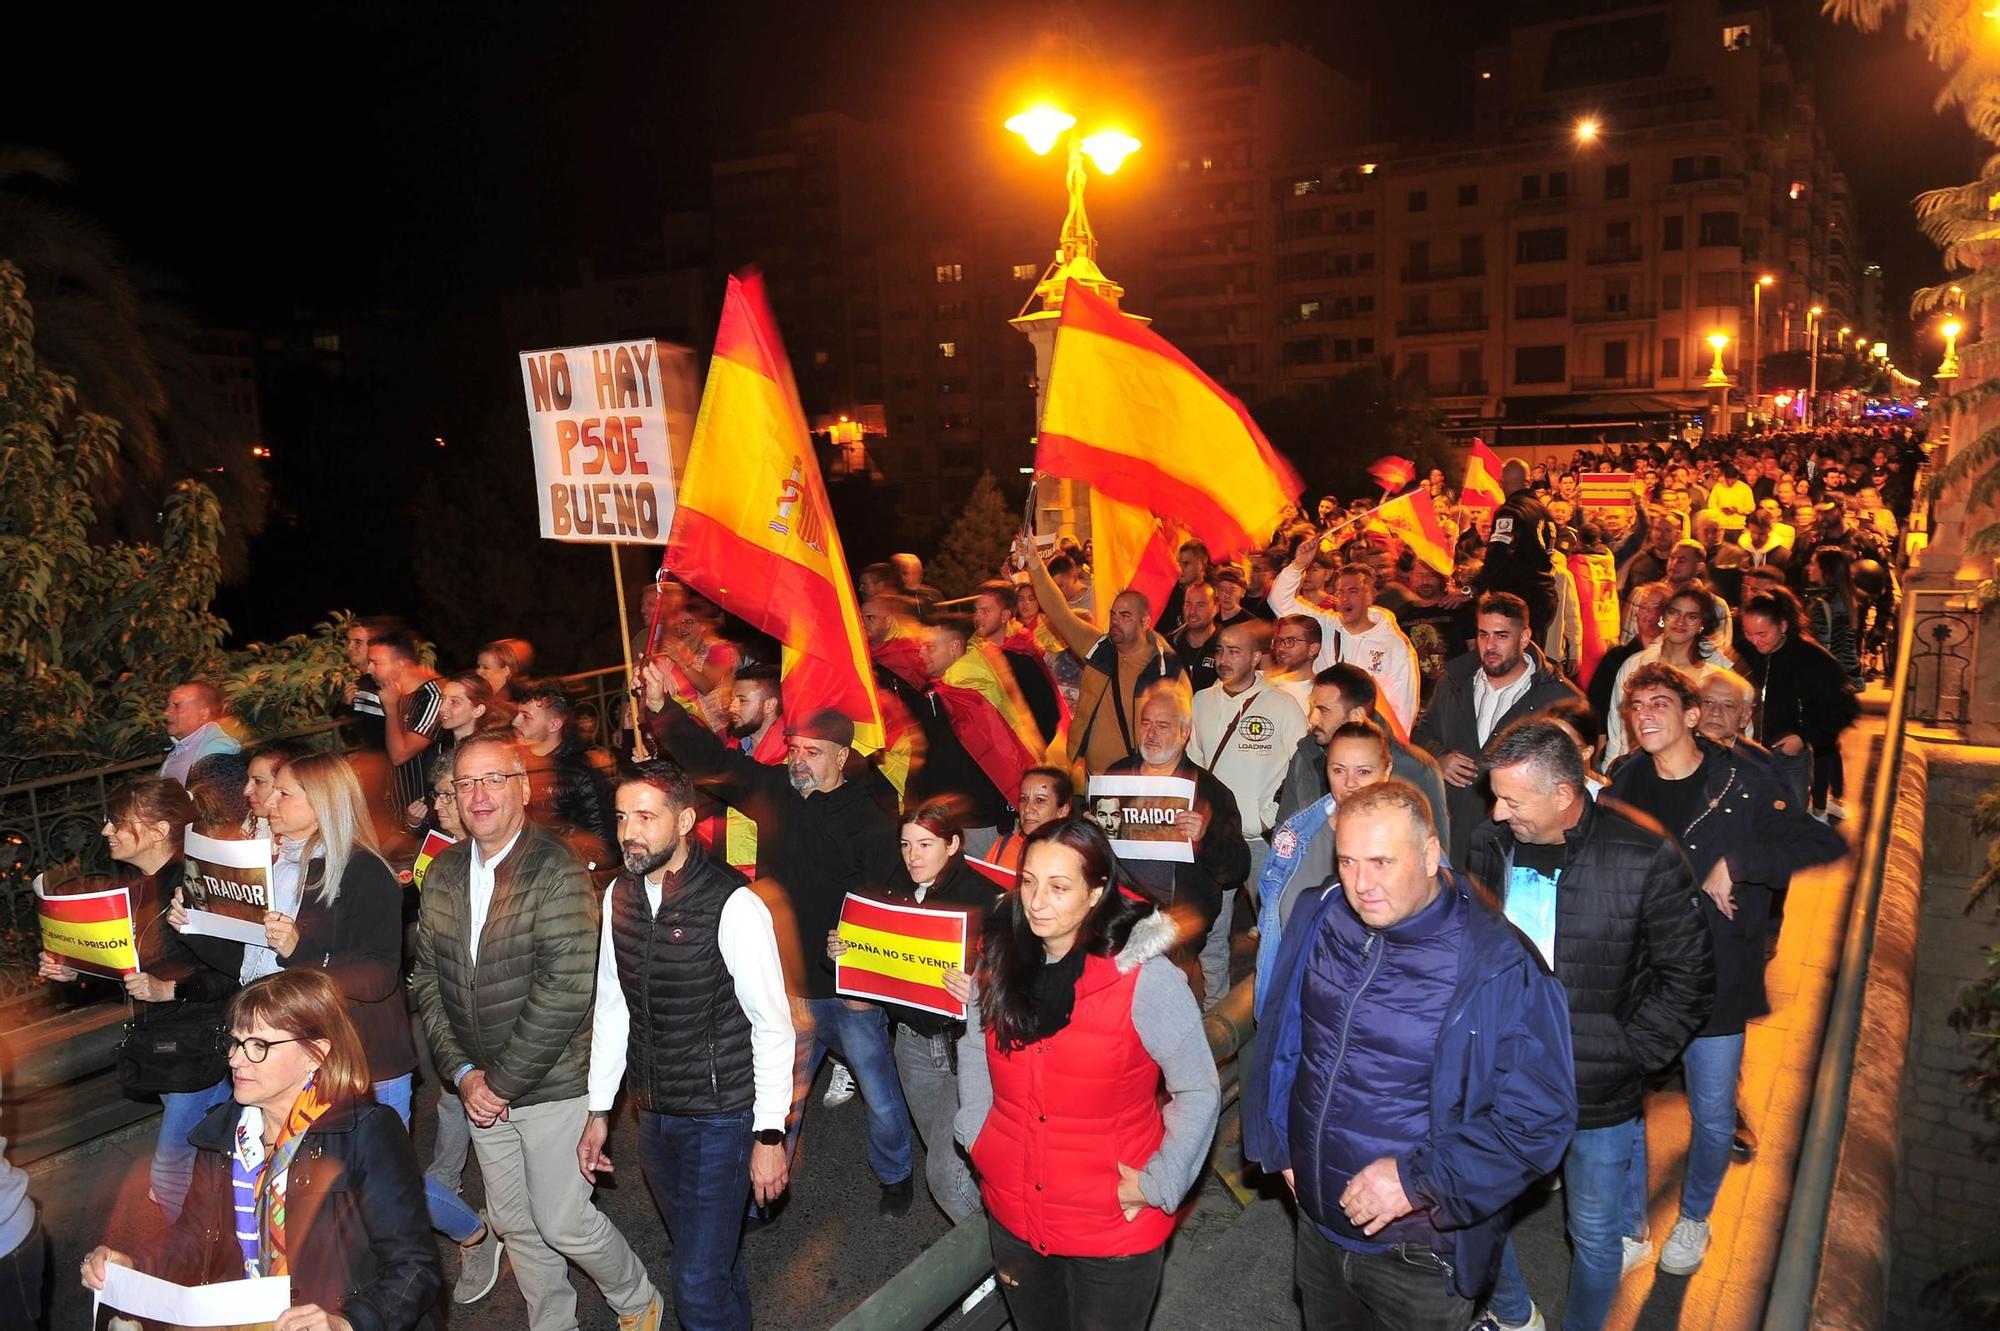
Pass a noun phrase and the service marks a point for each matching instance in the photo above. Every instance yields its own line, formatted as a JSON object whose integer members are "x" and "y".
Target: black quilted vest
{"x": 689, "y": 1051}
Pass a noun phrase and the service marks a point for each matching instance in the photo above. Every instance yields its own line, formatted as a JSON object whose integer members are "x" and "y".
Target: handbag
{"x": 168, "y": 1050}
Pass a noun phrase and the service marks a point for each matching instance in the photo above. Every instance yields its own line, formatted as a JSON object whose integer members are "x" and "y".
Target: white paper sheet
{"x": 231, "y": 1303}
{"x": 254, "y": 856}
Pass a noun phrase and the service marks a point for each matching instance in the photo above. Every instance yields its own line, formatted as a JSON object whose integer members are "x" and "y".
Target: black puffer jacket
{"x": 1801, "y": 690}
{"x": 568, "y": 797}
{"x": 1747, "y": 820}
{"x": 1632, "y": 950}
{"x": 356, "y": 1228}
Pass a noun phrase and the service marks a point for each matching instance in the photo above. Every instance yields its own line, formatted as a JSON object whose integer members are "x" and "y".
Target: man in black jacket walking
{"x": 1610, "y": 902}
{"x": 1743, "y": 838}
{"x": 820, "y": 835}
{"x": 691, "y": 1013}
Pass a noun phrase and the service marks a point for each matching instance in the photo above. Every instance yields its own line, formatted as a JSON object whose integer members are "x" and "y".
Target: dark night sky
{"x": 434, "y": 156}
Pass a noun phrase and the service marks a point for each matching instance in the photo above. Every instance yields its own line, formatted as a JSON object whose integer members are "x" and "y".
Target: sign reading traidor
{"x": 603, "y": 456}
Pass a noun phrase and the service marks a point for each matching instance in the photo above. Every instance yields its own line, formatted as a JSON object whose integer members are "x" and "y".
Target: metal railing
{"x": 1796, "y": 1274}
{"x": 942, "y": 1275}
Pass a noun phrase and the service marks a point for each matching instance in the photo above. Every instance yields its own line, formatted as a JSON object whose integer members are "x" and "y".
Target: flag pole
{"x": 639, "y": 752}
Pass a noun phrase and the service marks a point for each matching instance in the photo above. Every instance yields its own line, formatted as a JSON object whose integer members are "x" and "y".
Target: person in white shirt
{"x": 691, "y": 1015}
{"x": 194, "y": 728}
{"x": 1357, "y": 631}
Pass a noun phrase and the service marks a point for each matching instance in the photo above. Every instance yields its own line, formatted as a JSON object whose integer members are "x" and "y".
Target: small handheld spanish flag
{"x": 1392, "y": 473}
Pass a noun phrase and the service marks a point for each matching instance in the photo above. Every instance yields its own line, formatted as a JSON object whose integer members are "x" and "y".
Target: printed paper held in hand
{"x": 227, "y": 889}
{"x": 1140, "y": 813}
{"x": 231, "y": 1303}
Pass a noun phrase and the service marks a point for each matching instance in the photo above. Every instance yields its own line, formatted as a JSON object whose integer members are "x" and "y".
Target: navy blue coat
{"x": 1502, "y": 1093}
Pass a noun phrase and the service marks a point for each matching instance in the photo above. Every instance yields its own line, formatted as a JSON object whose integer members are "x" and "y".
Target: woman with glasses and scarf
{"x": 302, "y": 1175}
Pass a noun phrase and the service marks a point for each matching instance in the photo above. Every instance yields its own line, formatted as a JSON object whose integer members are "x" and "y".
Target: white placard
{"x": 230, "y": 1303}
{"x": 232, "y": 877}
{"x": 1138, "y": 813}
{"x": 597, "y": 417}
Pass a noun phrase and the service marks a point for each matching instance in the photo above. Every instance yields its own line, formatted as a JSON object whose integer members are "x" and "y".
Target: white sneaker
{"x": 840, "y": 1089}
{"x": 1536, "y": 1322}
{"x": 1637, "y": 1253}
{"x": 973, "y": 1299}
{"x": 1686, "y": 1246}
{"x": 1836, "y": 810}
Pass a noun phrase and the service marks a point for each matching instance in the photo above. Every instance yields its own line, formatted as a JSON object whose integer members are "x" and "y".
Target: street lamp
{"x": 1843, "y": 339}
{"x": 1812, "y": 370}
{"x": 1881, "y": 351}
{"x": 1587, "y": 130}
{"x": 1043, "y": 127}
{"x": 1718, "y": 379}
{"x": 1756, "y": 335}
{"x": 1951, "y": 329}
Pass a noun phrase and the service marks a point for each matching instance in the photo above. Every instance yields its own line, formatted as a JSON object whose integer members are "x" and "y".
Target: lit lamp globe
{"x": 1717, "y": 376}
{"x": 1951, "y": 329}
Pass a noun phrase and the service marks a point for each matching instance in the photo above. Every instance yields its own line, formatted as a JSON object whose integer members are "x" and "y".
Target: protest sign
{"x": 224, "y": 1303}
{"x": 899, "y": 953}
{"x": 227, "y": 889}
{"x": 91, "y": 931}
{"x": 598, "y": 419}
{"x": 1604, "y": 489}
{"x": 434, "y": 841}
{"x": 1138, "y": 813}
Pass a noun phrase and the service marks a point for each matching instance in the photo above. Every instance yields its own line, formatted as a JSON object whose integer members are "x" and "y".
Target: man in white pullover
{"x": 1244, "y": 733}
{"x": 1357, "y": 632}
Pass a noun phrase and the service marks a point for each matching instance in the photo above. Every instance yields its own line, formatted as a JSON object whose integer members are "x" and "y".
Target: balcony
{"x": 1608, "y": 254}
{"x": 1443, "y": 272}
{"x": 1681, "y": 189}
{"x": 1462, "y": 388}
{"x": 1442, "y": 323}
{"x": 1605, "y": 314}
{"x": 1601, "y": 382}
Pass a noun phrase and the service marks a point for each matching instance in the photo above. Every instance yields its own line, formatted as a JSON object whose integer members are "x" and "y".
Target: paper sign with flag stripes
{"x": 898, "y": 953}
{"x": 90, "y": 931}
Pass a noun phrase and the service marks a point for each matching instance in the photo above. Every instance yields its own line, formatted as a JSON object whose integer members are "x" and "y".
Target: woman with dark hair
{"x": 1690, "y": 624}
{"x": 938, "y": 877}
{"x": 1046, "y": 794}
{"x": 335, "y": 1201}
{"x": 1080, "y": 1021}
{"x": 177, "y": 997}
{"x": 1803, "y": 702}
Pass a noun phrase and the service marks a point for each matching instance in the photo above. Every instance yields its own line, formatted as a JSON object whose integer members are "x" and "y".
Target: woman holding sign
{"x": 330, "y": 1193}
{"x": 1080, "y": 1021}
{"x": 178, "y": 1000}
{"x": 941, "y": 879}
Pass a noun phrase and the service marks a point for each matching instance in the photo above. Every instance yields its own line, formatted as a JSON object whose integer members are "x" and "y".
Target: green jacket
{"x": 521, "y": 1014}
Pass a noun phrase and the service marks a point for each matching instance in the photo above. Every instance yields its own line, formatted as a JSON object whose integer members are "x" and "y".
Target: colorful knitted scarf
{"x": 258, "y": 1181}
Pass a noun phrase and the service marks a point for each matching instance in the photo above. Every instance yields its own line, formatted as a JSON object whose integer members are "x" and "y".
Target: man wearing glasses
{"x": 505, "y": 968}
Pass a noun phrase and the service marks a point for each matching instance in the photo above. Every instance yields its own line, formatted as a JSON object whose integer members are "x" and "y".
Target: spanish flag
{"x": 1131, "y": 549}
{"x": 1392, "y": 473}
{"x": 1413, "y": 517}
{"x": 1482, "y": 479}
{"x": 1136, "y": 419}
{"x": 753, "y": 529}
{"x": 990, "y": 717}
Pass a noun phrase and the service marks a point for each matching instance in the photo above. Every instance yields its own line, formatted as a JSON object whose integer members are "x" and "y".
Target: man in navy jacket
{"x": 1412, "y": 1078}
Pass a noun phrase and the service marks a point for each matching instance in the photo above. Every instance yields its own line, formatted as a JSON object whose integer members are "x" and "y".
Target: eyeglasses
{"x": 1286, "y": 642}
{"x": 254, "y": 1049}
{"x": 491, "y": 782}
{"x": 445, "y": 796}
{"x": 1683, "y": 615}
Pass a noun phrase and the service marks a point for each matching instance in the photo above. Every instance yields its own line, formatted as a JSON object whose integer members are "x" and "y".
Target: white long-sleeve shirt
{"x": 1382, "y": 649}
{"x": 749, "y": 946}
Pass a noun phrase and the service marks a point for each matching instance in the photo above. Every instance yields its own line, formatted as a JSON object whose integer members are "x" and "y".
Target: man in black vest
{"x": 691, "y": 1013}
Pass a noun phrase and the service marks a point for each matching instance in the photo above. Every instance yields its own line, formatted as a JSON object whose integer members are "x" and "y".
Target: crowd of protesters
{"x": 1508, "y": 842}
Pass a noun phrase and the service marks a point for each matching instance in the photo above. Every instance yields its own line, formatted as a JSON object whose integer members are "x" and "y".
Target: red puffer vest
{"x": 1067, "y": 1111}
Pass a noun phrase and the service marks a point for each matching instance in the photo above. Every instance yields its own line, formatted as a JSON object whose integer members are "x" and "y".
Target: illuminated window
{"x": 948, "y": 350}
{"x": 1308, "y": 311}
{"x": 950, "y": 272}
{"x": 1736, "y": 37}
{"x": 1305, "y": 186}
{"x": 1026, "y": 272}
{"x": 1798, "y": 189}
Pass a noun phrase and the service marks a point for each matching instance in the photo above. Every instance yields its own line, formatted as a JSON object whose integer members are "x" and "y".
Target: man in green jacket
{"x": 505, "y": 977}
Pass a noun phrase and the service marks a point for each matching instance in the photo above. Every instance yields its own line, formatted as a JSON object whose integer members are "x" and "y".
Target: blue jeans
{"x": 450, "y": 1215}
{"x": 1711, "y": 1064}
{"x": 861, "y": 1038}
{"x": 698, "y": 1168}
{"x": 173, "y": 1158}
{"x": 1597, "y": 1199}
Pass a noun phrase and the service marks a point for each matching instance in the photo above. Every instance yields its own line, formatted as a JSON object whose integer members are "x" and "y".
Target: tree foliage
{"x": 94, "y": 634}
{"x": 1332, "y": 431}
{"x": 976, "y": 545}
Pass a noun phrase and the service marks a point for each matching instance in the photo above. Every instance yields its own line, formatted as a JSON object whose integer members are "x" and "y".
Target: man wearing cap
{"x": 820, "y": 835}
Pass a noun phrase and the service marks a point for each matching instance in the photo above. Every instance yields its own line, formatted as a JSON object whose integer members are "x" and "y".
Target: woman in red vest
{"x": 1079, "y": 1024}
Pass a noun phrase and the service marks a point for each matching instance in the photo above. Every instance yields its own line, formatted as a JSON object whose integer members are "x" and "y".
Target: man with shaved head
{"x": 194, "y": 729}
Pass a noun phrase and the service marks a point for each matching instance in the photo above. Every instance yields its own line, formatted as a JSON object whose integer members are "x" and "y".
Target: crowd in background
{"x": 1543, "y": 786}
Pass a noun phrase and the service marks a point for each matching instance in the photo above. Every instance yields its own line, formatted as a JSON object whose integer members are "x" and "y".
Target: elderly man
{"x": 194, "y": 728}
{"x": 506, "y": 955}
{"x": 1192, "y": 891}
{"x": 1609, "y": 901}
{"x": 1411, "y": 1079}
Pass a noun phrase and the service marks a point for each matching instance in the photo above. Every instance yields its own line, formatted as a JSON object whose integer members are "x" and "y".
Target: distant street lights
{"x": 1756, "y": 339}
{"x": 1812, "y": 364}
{"x": 1718, "y": 379}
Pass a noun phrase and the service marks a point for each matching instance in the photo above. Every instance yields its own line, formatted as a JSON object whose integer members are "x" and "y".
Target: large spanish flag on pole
{"x": 753, "y": 530}
{"x": 1144, "y": 426}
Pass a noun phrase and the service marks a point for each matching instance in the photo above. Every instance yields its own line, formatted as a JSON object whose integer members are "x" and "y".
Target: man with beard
{"x": 1192, "y": 892}
{"x": 1345, "y": 695}
{"x": 1643, "y": 558}
{"x": 1192, "y": 560}
{"x": 1196, "y": 641}
{"x": 993, "y": 626}
{"x": 1506, "y": 678}
{"x": 691, "y": 1015}
{"x": 1425, "y": 606}
{"x": 1295, "y": 643}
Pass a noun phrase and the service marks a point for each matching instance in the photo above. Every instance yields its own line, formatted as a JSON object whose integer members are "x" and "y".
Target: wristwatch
{"x": 770, "y": 1136}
